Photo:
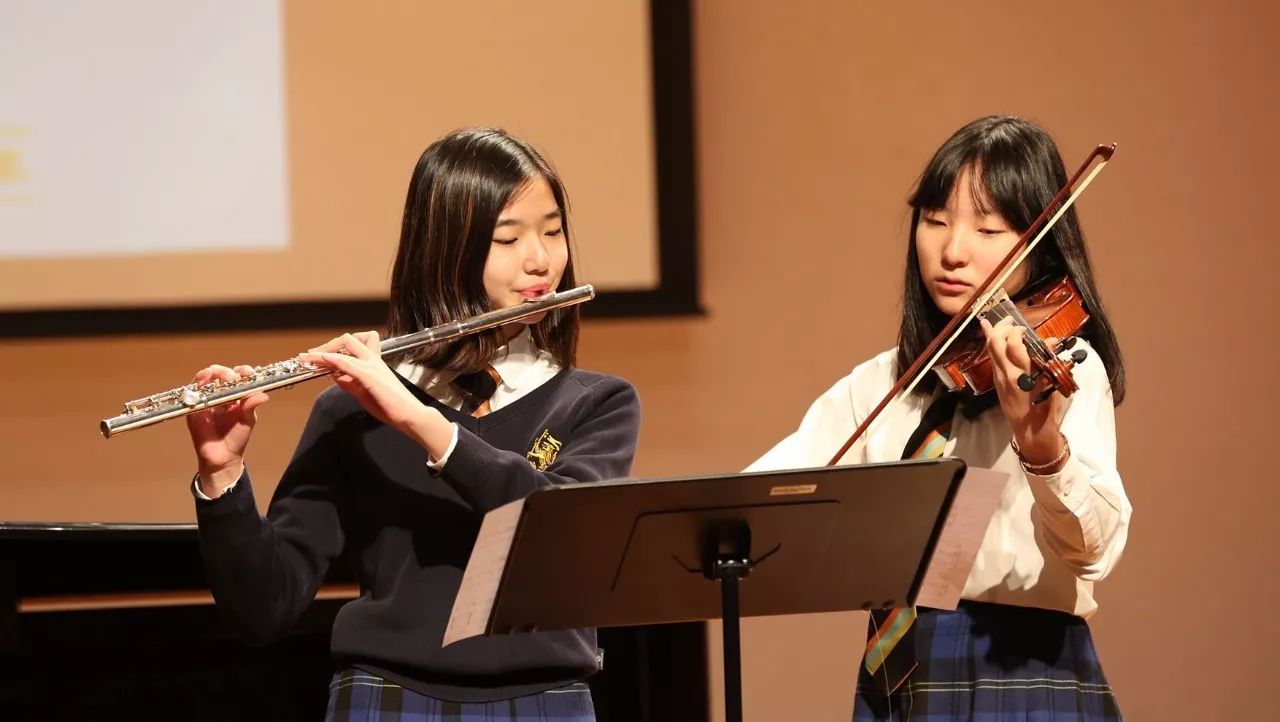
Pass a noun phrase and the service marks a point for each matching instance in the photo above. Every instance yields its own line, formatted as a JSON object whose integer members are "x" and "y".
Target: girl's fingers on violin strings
{"x": 1009, "y": 355}
{"x": 996, "y": 342}
{"x": 1016, "y": 350}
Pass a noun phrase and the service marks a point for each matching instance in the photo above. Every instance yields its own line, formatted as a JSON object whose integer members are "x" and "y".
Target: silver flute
{"x": 283, "y": 374}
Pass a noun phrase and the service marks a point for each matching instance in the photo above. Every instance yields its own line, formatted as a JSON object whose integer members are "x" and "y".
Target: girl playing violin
{"x": 1018, "y": 647}
{"x": 396, "y": 468}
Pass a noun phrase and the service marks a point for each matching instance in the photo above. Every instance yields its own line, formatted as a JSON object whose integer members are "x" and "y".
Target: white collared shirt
{"x": 1051, "y": 536}
{"x": 520, "y": 364}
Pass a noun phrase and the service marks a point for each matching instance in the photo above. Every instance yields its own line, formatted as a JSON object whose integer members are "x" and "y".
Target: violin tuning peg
{"x": 1026, "y": 382}
{"x": 1043, "y": 397}
{"x": 1078, "y": 356}
{"x": 1066, "y": 344}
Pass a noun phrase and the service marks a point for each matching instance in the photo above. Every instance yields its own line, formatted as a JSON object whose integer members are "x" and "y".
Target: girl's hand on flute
{"x": 221, "y": 433}
{"x": 358, "y": 368}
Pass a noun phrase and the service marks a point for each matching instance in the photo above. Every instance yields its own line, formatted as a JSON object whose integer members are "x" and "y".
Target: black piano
{"x": 115, "y": 621}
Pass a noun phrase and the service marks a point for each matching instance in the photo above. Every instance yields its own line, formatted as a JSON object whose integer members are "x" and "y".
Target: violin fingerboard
{"x": 1002, "y": 307}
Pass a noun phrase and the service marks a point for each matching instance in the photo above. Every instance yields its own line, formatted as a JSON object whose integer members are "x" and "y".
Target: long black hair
{"x": 458, "y": 190}
{"x": 1016, "y": 172}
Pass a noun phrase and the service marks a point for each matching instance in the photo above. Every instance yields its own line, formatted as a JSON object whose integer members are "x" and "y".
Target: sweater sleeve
{"x": 265, "y": 571}
{"x": 601, "y": 446}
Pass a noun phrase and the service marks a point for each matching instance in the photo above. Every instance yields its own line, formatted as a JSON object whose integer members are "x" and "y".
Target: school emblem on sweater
{"x": 544, "y": 450}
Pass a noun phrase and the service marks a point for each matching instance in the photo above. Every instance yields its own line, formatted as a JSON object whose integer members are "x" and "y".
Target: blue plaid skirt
{"x": 357, "y": 696}
{"x": 996, "y": 663}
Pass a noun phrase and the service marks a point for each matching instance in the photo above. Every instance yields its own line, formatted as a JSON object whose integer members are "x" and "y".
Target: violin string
{"x": 1035, "y": 345}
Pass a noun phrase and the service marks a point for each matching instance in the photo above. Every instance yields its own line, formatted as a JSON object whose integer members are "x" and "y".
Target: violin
{"x": 1051, "y": 310}
{"x": 990, "y": 298}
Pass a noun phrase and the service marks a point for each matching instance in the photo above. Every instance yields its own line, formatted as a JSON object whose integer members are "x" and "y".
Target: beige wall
{"x": 365, "y": 89}
{"x": 813, "y": 120}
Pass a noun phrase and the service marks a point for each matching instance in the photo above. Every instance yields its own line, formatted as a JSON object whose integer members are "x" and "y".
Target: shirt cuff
{"x": 1067, "y": 490}
{"x": 195, "y": 486}
{"x": 437, "y": 465}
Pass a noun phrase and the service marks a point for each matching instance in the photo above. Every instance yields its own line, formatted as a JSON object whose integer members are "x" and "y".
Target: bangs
{"x": 998, "y": 182}
{"x": 936, "y": 188}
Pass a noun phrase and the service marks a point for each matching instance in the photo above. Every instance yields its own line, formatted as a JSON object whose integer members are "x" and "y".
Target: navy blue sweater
{"x": 362, "y": 489}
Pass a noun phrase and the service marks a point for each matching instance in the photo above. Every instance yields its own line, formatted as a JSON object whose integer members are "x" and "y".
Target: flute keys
{"x": 137, "y": 405}
{"x": 148, "y": 403}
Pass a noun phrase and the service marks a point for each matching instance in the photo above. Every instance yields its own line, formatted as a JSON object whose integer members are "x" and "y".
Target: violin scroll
{"x": 1027, "y": 382}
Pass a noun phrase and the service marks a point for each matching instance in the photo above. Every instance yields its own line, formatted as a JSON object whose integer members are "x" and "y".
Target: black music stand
{"x": 619, "y": 553}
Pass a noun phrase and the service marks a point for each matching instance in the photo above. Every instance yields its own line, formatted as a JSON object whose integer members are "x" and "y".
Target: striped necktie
{"x": 890, "y": 657}
{"x": 477, "y": 389}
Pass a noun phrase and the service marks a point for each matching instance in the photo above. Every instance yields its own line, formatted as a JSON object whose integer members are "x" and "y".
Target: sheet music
{"x": 479, "y": 588}
{"x": 961, "y": 536}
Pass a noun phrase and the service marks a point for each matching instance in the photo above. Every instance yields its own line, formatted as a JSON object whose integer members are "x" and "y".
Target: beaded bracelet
{"x": 1049, "y": 467}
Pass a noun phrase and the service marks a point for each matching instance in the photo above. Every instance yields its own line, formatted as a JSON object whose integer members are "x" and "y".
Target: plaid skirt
{"x": 357, "y": 696}
{"x": 996, "y": 663}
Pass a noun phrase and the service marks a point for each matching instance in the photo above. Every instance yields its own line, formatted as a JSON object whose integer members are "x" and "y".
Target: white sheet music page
{"x": 479, "y": 588}
{"x": 961, "y": 536}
